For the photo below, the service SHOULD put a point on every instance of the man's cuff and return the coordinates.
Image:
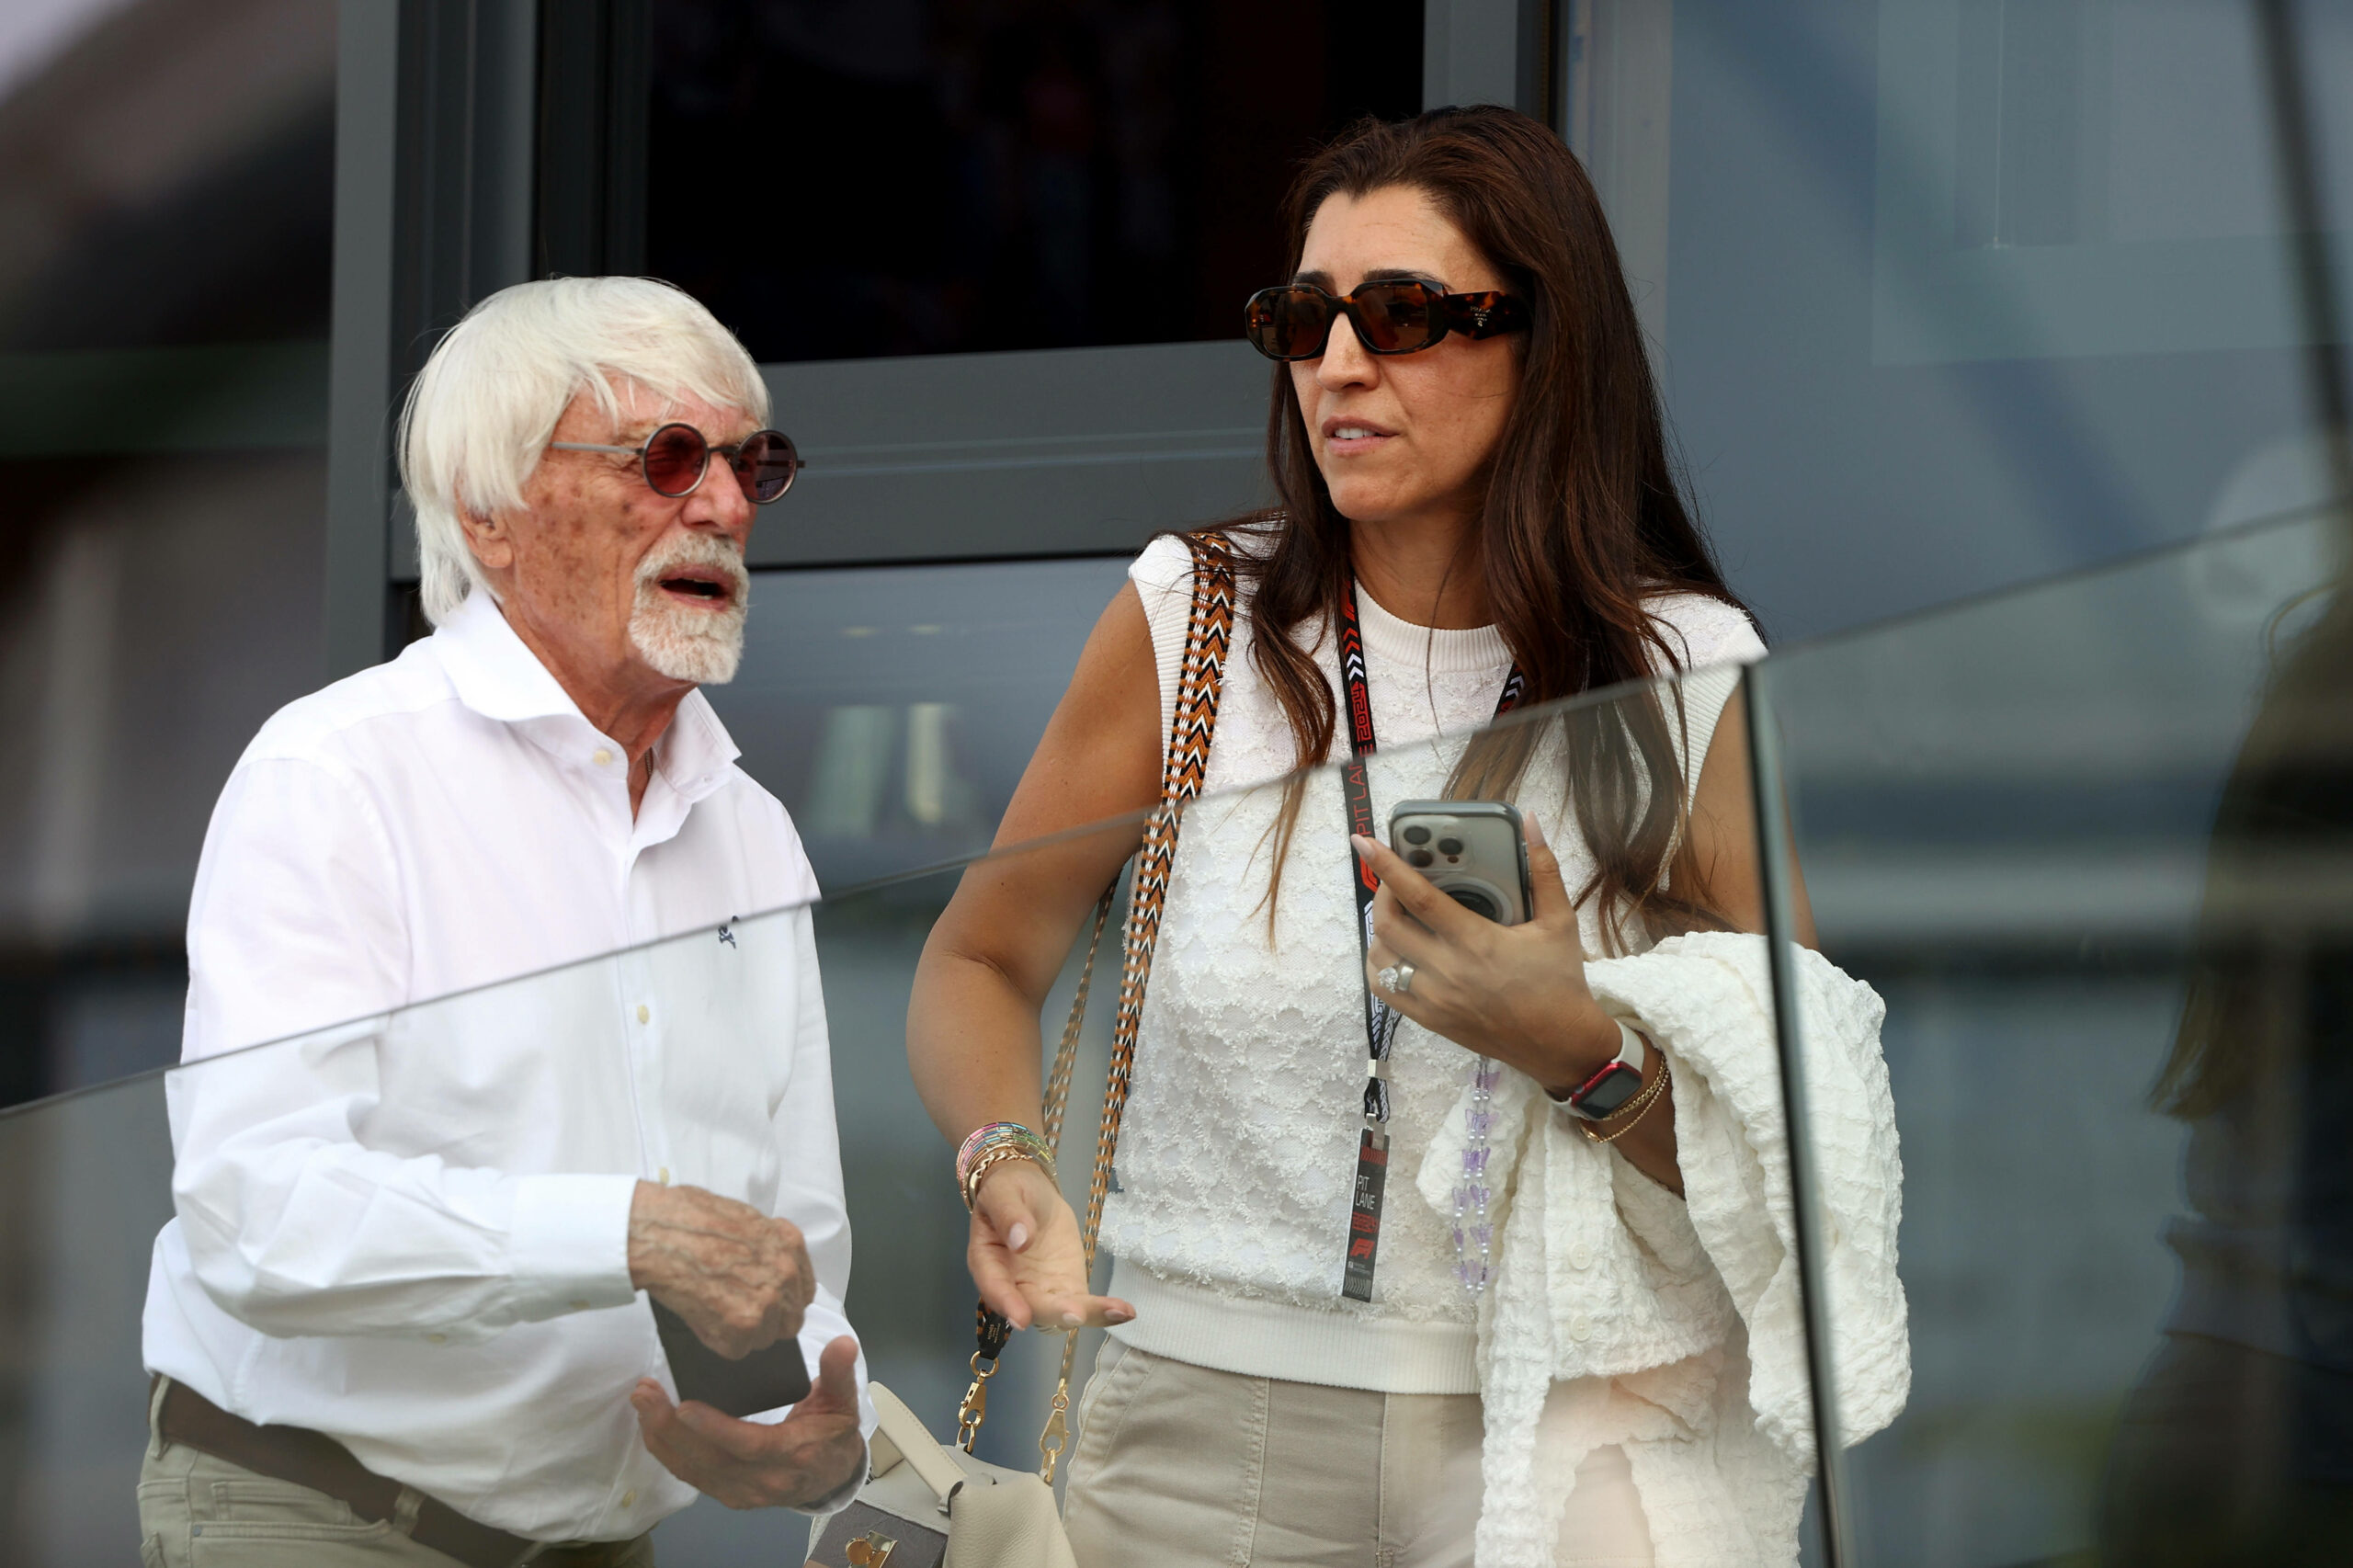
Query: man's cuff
(569, 1244)
(841, 1496)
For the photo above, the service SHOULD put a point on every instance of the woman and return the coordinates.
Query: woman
(1488, 494)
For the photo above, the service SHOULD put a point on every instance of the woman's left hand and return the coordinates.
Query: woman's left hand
(1515, 992)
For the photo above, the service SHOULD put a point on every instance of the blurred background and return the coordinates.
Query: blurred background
(1948, 298)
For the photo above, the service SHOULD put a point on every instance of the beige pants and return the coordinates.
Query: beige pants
(1178, 1466)
(196, 1511)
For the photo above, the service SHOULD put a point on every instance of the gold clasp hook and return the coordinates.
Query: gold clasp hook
(1056, 1437)
(976, 1408)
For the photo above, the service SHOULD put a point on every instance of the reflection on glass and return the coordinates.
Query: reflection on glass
(2237, 1446)
(2081, 839)
(892, 708)
(998, 176)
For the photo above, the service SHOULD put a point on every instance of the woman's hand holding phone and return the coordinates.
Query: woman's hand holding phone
(1026, 1257)
(1515, 992)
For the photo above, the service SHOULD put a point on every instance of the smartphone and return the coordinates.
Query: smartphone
(766, 1380)
(1473, 851)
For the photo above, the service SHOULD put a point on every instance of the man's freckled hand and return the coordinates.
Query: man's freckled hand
(739, 1279)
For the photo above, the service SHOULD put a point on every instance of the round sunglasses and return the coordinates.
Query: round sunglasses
(675, 457)
(1294, 320)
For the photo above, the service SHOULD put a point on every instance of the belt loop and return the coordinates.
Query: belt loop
(157, 1387)
(405, 1508)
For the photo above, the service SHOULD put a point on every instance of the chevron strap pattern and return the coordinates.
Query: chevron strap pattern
(1208, 634)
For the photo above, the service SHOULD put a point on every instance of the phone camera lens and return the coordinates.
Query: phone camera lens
(1450, 846)
(1419, 856)
(1418, 836)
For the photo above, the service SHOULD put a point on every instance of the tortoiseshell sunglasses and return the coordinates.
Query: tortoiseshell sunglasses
(1294, 320)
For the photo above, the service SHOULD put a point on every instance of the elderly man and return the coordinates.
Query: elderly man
(401, 1317)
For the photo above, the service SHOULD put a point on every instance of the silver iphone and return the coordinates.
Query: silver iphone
(1473, 851)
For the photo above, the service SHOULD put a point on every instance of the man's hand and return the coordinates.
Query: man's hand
(803, 1460)
(739, 1279)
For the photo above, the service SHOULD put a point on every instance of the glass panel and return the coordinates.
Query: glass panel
(2014, 293)
(165, 215)
(315, 1250)
(892, 708)
(2088, 843)
(957, 177)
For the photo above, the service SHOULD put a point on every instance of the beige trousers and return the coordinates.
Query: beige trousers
(1178, 1466)
(196, 1511)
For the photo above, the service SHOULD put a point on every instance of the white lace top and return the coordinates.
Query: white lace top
(1238, 1151)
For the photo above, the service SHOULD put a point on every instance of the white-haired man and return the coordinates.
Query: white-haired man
(400, 1316)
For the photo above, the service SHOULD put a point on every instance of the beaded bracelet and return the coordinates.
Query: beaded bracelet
(990, 1146)
(989, 1136)
(1639, 1107)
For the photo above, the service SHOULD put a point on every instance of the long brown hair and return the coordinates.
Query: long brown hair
(1583, 521)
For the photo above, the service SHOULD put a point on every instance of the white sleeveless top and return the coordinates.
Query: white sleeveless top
(1237, 1155)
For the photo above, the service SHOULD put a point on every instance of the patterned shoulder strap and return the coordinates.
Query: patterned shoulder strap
(1207, 636)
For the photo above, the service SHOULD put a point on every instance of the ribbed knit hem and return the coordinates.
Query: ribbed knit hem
(1300, 1345)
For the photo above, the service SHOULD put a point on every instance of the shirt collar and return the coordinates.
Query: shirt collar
(696, 751)
(496, 675)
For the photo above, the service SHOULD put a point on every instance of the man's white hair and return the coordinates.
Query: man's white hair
(487, 403)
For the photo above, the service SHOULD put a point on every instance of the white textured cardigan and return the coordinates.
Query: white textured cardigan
(1679, 1321)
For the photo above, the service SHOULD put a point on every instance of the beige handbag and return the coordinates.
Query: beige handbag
(928, 1505)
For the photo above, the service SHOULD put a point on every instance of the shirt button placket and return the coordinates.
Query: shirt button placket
(639, 1029)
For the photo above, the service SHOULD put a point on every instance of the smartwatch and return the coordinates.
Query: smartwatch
(1620, 1079)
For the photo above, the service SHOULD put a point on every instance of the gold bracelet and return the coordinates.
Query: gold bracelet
(1638, 1106)
(997, 1156)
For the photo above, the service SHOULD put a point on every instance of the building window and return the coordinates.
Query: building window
(854, 178)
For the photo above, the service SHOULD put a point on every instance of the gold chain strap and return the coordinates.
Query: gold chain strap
(1066, 1053)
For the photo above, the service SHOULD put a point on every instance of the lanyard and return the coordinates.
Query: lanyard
(1380, 1019)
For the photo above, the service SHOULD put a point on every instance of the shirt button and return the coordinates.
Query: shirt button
(629, 1499)
(602, 757)
(1580, 1256)
(579, 1306)
(436, 1339)
(645, 1014)
(1580, 1327)
(666, 1175)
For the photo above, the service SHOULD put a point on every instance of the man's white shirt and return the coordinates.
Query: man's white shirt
(409, 1229)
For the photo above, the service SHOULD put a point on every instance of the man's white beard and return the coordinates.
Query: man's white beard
(686, 642)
